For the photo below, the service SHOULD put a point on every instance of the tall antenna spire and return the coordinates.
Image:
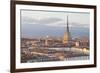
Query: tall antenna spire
(67, 26)
(69, 35)
(66, 34)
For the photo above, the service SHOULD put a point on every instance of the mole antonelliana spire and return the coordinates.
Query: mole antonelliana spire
(66, 34)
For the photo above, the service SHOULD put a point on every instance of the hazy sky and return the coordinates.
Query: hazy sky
(42, 23)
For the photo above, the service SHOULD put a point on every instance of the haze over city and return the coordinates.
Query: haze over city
(42, 23)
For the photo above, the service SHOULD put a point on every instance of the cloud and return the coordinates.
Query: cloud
(72, 25)
(51, 21)
(42, 21)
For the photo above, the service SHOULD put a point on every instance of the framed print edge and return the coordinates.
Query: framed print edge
(13, 35)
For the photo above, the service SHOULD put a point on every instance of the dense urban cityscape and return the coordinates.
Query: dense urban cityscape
(50, 48)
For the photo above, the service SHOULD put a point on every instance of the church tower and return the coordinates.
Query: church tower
(66, 34)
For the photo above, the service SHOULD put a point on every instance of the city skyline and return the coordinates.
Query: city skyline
(49, 25)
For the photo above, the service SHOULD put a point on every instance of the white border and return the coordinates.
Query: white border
(52, 64)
